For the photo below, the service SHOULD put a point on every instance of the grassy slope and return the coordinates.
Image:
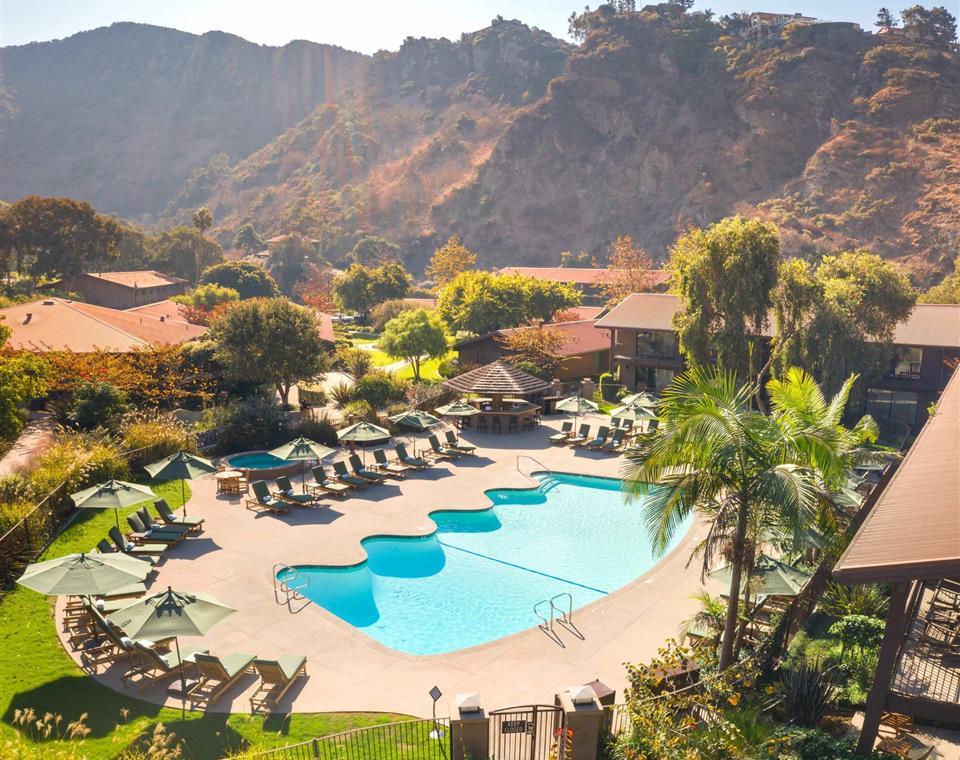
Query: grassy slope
(36, 673)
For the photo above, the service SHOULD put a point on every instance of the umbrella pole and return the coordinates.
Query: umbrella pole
(116, 515)
(183, 495)
(183, 680)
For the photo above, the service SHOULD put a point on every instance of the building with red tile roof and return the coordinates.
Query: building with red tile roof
(124, 290)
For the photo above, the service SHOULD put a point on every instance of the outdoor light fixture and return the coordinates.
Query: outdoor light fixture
(436, 733)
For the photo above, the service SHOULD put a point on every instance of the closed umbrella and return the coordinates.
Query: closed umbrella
(770, 577)
(181, 466)
(114, 494)
(364, 433)
(417, 420)
(172, 613)
(302, 449)
(84, 574)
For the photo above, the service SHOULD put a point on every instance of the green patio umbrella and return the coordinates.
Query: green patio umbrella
(171, 613)
(578, 405)
(181, 466)
(775, 578)
(458, 408)
(635, 412)
(114, 494)
(364, 433)
(644, 398)
(84, 574)
(302, 449)
(416, 420)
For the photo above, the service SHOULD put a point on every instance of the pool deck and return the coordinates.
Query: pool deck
(234, 558)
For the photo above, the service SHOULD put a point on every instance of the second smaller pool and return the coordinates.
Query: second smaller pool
(257, 460)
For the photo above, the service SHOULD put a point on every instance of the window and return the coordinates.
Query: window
(652, 378)
(907, 364)
(656, 344)
(897, 405)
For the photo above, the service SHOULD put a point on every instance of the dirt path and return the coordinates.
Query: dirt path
(32, 440)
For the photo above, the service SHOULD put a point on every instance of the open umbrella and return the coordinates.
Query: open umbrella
(417, 420)
(114, 494)
(643, 398)
(578, 405)
(458, 408)
(634, 412)
(770, 576)
(181, 466)
(302, 449)
(172, 613)
(364, 433)
(84, 574)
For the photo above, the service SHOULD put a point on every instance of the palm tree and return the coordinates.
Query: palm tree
(740, 469)
(709, 617)
(203, 221)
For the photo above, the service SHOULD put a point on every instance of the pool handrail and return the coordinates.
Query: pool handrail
(290, 593)
(535, 461)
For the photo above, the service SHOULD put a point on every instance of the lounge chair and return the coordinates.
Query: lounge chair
(616, 441)
(152, 525)
(454, 443)
(168, 516)
(941, 639)
(441, 452)
(323, 484)
(142, 533)
(286, 493)
(615, 423)
(582, 436)
(340, 470)
(394, 469)
(566, 430)
(276, 678)
(263, 500)
(417, 463)
(362, 472)
(134, 549)
(601, 438)
(107, 644)
(216, 675)
(154, 667)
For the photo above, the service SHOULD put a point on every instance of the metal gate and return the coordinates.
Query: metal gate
(526, 733)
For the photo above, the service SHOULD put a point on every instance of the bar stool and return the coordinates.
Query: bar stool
(496, 426)
(482, 425)
(512, 425)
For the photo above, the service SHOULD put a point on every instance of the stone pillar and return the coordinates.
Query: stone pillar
(587, 388)
(584, 717)
(469, 728)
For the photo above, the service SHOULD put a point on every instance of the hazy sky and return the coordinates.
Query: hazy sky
(366, 26)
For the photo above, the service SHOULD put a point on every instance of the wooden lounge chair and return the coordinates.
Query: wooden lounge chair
(106, 644)
(440, 452)
(941, 639)
(454, 443)
(417, 463)
(616, 441)
(167, 515)
(323, 484)
(286, 493)
(905, 747)
(139, 533)
(154, 667)
(601, 438)
(362, 472)
(340, 470)
(147, 519)
(394, 469)
(276, 678)
(582, 436)
(134, 549)
(263, 500)
(566, 430)
(216, 675)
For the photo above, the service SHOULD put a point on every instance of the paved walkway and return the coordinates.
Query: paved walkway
(31, 441)
(235, 556)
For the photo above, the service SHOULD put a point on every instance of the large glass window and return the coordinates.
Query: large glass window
(897, 405)
(907, 364)
(653, 379)
(657, 344)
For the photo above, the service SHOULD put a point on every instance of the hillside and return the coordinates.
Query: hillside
(528, 146)
(120, 116)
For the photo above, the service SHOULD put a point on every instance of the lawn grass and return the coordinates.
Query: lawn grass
(35, 672)
(429, 370)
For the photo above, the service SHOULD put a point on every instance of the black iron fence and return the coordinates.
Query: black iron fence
(406, 740)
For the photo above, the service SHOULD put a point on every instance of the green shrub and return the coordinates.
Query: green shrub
(809, 691)
(865, 599)
(321, 430)
(356, 361)
(158, 434)
(255, 423)
(94, 405)
(360, 410)
(341, 394)
(383, 313)
(448, 368)
(857, 633)
(378, 389)
(811, 744)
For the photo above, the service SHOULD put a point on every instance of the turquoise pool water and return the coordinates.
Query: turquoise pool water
(478, 577)
(258, 460)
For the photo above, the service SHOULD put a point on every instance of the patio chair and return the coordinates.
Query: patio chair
(276, 678)
(134, 549)
(615, 422)
(362, 472)
(139, 533)
(906, 747)
(147, 519)
(286, 493)
(566, 430)
(616, 441)
(454, 443)
(417, 463)
(340, 471)
(601, 438)
(582, 436)
(154, 667)
(262, 500)
(627, 426)
(107, 644)
(217, 675)
(393, 469)
(440, 452)
(167, 515)
(323, 484)
(940, 638)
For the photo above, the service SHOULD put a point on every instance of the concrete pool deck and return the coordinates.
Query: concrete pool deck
(348, 671)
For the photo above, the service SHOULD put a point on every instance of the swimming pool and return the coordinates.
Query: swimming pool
(478, 577)
(257, 460)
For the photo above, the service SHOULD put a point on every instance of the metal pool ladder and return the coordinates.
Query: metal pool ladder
(557, 614)
(286, 588)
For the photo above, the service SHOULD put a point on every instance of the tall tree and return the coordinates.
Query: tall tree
(715, 456)
(629, 270)
(23, 377)
(371, 250)
(414, 335)
(289, 261)
(316, 289)
(361, 288)
(935, 25)
(947, 290)
(885, 19)
(725, 275)
(203, 221)
(534, 345)
(179, 251)
(248, 279)
(248, 240)
(270, 341)
(449, 260)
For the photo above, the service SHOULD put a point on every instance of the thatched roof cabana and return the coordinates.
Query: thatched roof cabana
(498, 379)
